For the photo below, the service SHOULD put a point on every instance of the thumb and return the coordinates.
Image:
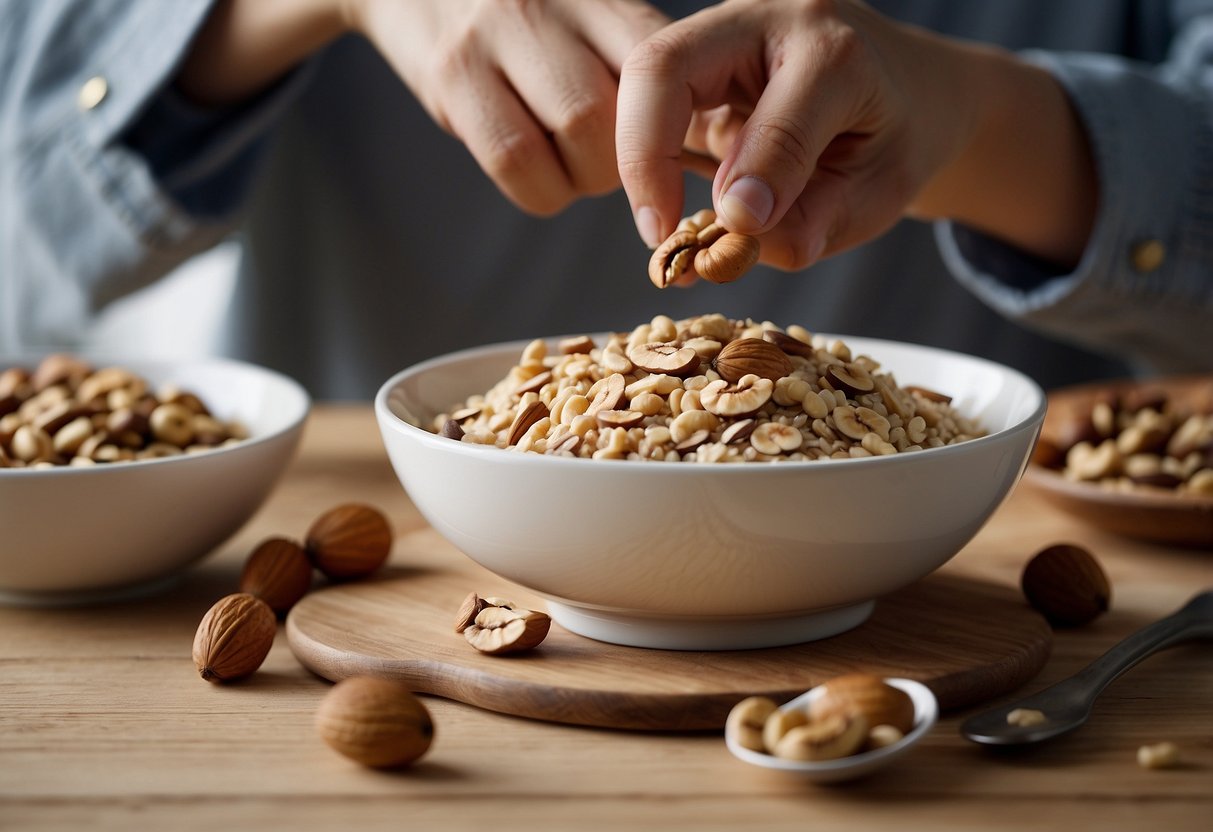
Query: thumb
(775, 152)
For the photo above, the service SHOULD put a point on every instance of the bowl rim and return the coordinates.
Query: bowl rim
(388, 420)
(302, 401)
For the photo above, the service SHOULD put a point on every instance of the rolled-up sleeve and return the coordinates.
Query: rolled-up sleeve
(1143, 289)
(107, 179)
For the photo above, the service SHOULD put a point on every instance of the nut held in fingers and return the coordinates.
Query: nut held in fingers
(673, 258)
(728, 258)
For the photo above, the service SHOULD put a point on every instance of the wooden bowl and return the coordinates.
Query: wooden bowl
(1145, 513)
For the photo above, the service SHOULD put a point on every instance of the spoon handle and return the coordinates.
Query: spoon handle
(1068, 703)
(1193, 620)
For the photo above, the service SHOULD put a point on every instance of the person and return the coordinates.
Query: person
(1048, 207)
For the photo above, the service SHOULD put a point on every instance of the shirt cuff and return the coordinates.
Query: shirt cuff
(204, 158)
(173, 173)
(1141, 289)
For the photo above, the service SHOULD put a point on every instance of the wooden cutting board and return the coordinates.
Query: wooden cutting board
(968, 640)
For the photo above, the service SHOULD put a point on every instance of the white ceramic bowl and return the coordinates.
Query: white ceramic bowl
(711, 556)
(71, 535)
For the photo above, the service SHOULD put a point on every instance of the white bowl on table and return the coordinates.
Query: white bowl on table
(77, 535)
(711, 556)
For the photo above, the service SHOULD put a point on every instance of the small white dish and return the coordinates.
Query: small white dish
(926, 712)
(72, 536)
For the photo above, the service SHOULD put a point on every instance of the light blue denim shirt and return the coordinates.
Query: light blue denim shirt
(371, 239)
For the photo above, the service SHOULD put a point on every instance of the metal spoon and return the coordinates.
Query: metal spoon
(1067, 704)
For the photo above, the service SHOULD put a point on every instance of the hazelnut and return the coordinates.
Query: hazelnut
(278, 572)
(375, 722)
(234, 638)
(451, 430)
(740, 399)
(672, 358)
(1067, 585)
(349, 541)
(673, 258)
(850, 378)
(726, 257)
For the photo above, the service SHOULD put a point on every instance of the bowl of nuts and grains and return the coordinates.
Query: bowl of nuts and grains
(114, 476)
(709, 483)
(1132, 457)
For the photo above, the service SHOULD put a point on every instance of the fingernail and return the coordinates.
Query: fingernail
(649, 226)
(747, 204)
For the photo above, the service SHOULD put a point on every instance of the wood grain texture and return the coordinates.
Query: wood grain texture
(967, 640)
(104, 723)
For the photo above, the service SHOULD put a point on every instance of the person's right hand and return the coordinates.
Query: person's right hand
(831, 122)
(529, 88)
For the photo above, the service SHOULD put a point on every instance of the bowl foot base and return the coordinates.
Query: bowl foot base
(708, 633)
(87, 597)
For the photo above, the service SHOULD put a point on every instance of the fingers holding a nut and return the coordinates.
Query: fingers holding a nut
(702, 248)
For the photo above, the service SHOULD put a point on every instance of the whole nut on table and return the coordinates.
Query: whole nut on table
(278, 572)
(234, 638)
(349, 541)
(1067, 585)
(375, 722)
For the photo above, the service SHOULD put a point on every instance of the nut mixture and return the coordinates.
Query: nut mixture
(704, 389)
(66, 412)
(1142, 439)
(856, 712)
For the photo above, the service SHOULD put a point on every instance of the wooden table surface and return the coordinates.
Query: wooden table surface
(104, 723)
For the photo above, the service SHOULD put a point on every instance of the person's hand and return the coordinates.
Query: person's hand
(832, 122)
(529, 88)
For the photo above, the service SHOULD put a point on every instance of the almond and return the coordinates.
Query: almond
(752, 356)
(349, 541)
(278, 572)
(234, 638)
